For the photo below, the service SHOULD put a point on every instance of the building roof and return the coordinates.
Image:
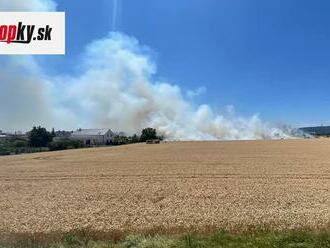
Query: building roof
(90, 132)
(321, 130)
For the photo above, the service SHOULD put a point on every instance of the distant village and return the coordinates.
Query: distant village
(39, 139)
(87, 136)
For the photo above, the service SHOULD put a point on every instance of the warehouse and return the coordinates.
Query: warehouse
(93, 136)
(317, 131)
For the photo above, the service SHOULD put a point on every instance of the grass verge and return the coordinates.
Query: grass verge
(92, 239)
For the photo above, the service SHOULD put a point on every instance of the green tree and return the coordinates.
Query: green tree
(39, 137)
(53, 133)
(135, 139)
(148, 134)
(118, 140)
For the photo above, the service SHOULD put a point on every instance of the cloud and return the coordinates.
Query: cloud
(30, 5)
(24, 94)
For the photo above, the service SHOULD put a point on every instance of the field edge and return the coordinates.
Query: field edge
(209, 237)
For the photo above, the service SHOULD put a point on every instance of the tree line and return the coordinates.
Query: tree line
(40, 139)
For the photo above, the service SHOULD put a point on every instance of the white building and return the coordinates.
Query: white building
(93, 136)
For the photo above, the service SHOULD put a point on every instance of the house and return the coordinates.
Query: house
(3, 137)
(13, 136)
(93, 136)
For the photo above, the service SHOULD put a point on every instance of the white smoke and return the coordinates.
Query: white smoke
(115, 9)
(116, 89)
(25, 93)
(194, 93)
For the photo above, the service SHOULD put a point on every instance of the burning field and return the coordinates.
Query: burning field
(173, 186)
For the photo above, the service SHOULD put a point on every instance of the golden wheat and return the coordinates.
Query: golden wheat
(231, 185)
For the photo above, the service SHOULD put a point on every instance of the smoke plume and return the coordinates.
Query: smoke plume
(115, 88)
(115, 9)
(25, 93)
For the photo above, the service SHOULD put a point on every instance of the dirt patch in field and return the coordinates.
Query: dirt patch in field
(230, 185)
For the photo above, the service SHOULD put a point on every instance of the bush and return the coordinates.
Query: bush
(134, 139)
(119, 140)
(4, 152)
(20, 143)
(65, 144)
(124, 140)
(18, 146)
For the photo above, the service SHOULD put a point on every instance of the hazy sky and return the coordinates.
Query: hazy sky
(267, 57)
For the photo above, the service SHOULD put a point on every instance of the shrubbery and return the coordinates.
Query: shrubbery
(65, 144)
(119, 140)
(18, 146)
(124, 140)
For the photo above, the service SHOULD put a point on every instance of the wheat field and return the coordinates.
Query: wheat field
(191, 185)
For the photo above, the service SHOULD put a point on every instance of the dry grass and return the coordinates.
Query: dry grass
(171, 186)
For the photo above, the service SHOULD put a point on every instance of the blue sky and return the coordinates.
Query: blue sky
(267, 57)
